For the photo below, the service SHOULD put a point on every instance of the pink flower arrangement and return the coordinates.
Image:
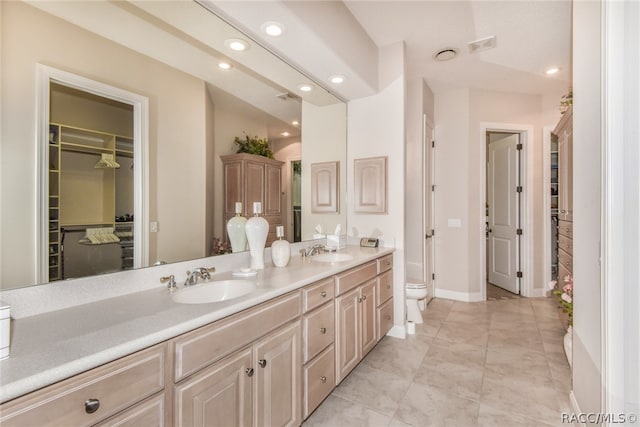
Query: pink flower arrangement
(220, 247)
(564, 295)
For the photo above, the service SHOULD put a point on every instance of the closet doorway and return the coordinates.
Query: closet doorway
(92, 177)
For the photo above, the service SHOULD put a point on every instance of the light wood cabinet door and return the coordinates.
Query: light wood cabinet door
(254, 186)
(273, 190)
(348, 342)
(368, 316)
(278, 382)
(220, 395)
(564, 132)
(233, 187)
(150, 413)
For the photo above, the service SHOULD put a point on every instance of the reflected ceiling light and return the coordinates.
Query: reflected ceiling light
(224, 65)
(337, 79)
(238, 45)
(273, 29)
(285, 134)
(551, 71)
(305, 87)
(295, 123)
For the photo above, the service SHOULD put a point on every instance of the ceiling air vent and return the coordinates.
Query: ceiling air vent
(286, 96)
(482, 44)
(445, 54)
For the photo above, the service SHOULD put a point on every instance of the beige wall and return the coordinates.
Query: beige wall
(322, 143)
(587, 175)
(460, 184)
(176, 151)
(286, 150)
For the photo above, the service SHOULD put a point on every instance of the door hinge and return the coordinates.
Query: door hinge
(433, 143)
(519, 274)
(519, 147)
(519, 231)
(433, 276)
(519, 189)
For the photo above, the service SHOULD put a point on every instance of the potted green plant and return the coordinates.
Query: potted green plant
(255, 145)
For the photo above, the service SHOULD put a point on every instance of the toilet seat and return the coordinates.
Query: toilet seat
(416, 286)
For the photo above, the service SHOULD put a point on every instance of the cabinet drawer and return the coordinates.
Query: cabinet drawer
(566, 244)
(352, 278)
(319, 380)
(385, 318)
(566, 260)
(318, 331)
(115, 386)
(384, 287)
(317, 294)
(195, 350)
(385, 263)
(150, 413)
(565, 228)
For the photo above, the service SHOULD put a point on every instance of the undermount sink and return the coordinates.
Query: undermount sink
(332, 257)
(222, 290)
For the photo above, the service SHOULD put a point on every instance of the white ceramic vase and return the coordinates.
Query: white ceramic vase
(280, 249)
(236, 231)
(568, 345)
(256, 230)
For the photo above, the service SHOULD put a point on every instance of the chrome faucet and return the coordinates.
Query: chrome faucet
(315, 249)
(200, 272)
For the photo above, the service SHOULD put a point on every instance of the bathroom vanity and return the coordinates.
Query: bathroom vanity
(267, 358)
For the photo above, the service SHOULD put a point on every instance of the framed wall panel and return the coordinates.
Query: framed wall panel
(370, 185)
(324, 187)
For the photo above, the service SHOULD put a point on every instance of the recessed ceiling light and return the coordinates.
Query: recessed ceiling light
(285, 134)
(224, 65)
(236, 44)
(446, 54)
(306, 87)
(337, 79)
(295, 123)
(552, 71)
(273, 29)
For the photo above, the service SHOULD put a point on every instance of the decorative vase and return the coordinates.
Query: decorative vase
(280, 249)
(568, 345)
(236, 232)
(256, 229)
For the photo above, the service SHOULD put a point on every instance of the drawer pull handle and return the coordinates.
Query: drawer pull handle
(262, 363)
(323, 294)
(323, 379)
(91, 406)
(323, 330)
(249, 372)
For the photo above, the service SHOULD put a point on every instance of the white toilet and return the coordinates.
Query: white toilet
(415, 291)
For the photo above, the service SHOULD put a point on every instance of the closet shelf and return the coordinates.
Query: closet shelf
(87, 149)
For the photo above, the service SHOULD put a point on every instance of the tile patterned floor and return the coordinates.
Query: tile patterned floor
(494, 363)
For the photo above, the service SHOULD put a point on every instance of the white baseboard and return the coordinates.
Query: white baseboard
(398, 331)
(458, 296)
(537, 293)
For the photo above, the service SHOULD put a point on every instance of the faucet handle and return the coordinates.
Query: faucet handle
(172, 282)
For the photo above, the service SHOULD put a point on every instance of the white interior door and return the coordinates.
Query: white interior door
(428, 167)
(503, 200)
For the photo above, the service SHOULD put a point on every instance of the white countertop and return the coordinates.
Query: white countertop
(50, 347)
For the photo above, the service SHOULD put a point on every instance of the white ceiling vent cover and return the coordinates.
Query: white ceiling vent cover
(482, 44)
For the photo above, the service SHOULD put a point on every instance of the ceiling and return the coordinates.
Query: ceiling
(332, 37)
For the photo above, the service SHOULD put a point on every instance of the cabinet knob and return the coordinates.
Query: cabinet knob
(388, 317)
(323, 330)
(249, 372)
(323, 379)
(359, 299)
(364, 298)
(262, 363)
(323, 294)
(91, 405)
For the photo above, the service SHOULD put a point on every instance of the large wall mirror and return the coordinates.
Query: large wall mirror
(168, 53)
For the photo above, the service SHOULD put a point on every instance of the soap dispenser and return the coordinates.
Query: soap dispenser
(256, 229)
(280, 249)
(236, 232)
